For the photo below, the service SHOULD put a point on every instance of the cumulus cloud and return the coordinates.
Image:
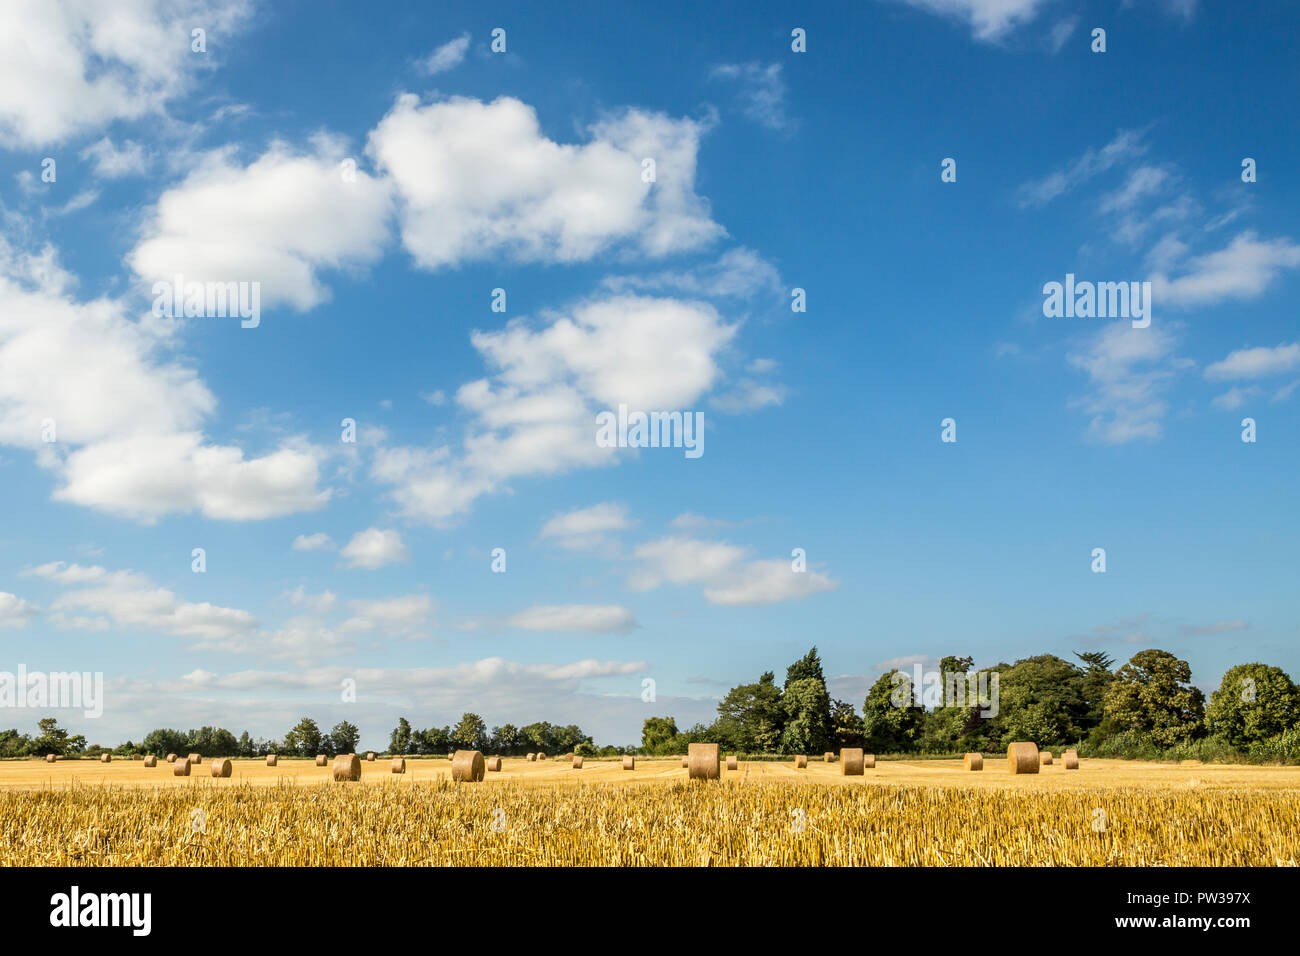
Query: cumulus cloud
(1243, 269)
(446, 57)
(585, 618)
(395, 615)
(729, 577)
(989, 20)
(68, 66)
(127, 415)
(480, 179)
(374, 548)
(586, 529)
(114, 163)
(319, 541)
(1257, 362)
(14, 611)
(1129, 373)
(278, 221)
(768, 582)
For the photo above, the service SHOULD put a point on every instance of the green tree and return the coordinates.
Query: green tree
(14, 744)
(1097, 677)
(891, 720)
(1151, 694)
(162, 742)
(1041, 699)
(471, 733)
(846, 726)
(1253, 703)
(807, 708)
(751, 718)
(808, 666)
(399, 741)
(434, 740)
(657, 733)
(345, 737)
(304, 739)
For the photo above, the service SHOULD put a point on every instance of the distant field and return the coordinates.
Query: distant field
(930, 812)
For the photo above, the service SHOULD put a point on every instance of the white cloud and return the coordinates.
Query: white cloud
(1062, 30)
(1241, 270)
(68, 66)
(396, 615)
(587, 528)
(1283, 393)
(587, 618)
(1143, 182)
(1126, 145)
(682, 560)
(317, 603)
(448, 56)
(762, 91)
(319, 541)
(536, 415)
(278, 222)
(374, 548)
(113, 163)
(1235, 397)
(127, 416)
(748, 395)
(480, 179)
(768, 582)
(738, 273)
(14, 611)
(989, 20)
(1255, 362)
(1130, 371)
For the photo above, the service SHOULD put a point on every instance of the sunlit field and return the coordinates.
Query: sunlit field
(908, 813)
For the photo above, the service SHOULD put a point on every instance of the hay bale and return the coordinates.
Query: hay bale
(347, 768)
(467, 766)
(171, 758)
(221, 767)
(800, 762)
(732, 763)
(828, 757)
(271, 760)
(399, 765)
(973, 761)
(629, 763)
(686, 761)
(181, 768)
(494, 765)
(851, 762)
(196, 759)
(50, 758)
(532, 757)
(370, 756)
(135, 756)
(322, 760)
(1022, 757)
(105, 758)
(703, 762)
(541, 756)
(577, 763)
(1071, 759)
(1045, 758)
(151, 761)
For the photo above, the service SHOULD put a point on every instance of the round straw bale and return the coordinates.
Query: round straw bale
(135, 756)
(221, 767)
(732, 763)
(1071, 759)
(105, 758)
(271, 760)
(1045, 758)
(703, 762)
(869, 761)
(801, 761)
(828, 757)
(1022, 757)
(577, 763)
(541, 756)
(467, 766)
(50, 758)
(974, 761)
(151, 761)
(851, 762)
(686, 761)
(347, 768)
(196, 759)
(171, 758)
(370, 755)
(532, 757)
(399, 765)
(181, 768)
(322, 760)
(629, 762)
(494, 764)
(569, 755)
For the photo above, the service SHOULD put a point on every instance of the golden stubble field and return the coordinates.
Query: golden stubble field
(907, 813)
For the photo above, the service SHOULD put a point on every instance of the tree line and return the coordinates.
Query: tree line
(1145, 708)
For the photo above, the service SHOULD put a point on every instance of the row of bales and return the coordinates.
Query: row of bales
(702, 762)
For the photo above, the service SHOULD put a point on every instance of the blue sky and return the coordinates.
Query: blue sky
(522, 170)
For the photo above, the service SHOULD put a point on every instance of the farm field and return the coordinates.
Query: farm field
(908, 813)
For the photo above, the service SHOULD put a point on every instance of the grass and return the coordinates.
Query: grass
(927, 814)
